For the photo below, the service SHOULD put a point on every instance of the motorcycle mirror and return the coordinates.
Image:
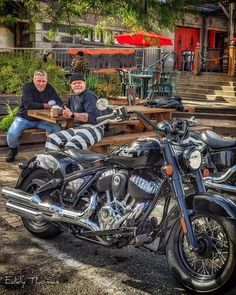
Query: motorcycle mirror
(102, 104)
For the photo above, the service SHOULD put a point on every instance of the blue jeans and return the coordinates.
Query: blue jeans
(20, 124)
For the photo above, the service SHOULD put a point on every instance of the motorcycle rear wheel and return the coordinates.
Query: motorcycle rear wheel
(213, 267)
(44, 229)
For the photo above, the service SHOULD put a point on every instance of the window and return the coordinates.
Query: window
(87, 36)
(65, 39)
(98, 37)
(117, 33)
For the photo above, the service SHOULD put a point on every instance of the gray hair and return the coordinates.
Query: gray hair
(40, 73)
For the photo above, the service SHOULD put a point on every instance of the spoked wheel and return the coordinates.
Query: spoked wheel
(213, 266)
(43, 229)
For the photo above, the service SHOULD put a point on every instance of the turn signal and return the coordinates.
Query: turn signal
(168, 170)
(183, 225)
(205, 173)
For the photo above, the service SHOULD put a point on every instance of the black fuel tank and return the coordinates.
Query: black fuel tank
(145, 151)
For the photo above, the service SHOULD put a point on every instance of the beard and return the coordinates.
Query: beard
(41, 89)
(78, 91)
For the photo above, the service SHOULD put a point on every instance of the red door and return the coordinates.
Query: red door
(185, 40)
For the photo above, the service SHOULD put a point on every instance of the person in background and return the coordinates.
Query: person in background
(80, 63)
(48, 57)
(81, 107)
(35, 95)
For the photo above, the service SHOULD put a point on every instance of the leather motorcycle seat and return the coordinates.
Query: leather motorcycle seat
(84, 156)
(215, 141)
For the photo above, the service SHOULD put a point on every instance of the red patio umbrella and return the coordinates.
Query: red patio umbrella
(144, 39)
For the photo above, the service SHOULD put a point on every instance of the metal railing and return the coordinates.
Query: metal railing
(64, 59)
(60, 55)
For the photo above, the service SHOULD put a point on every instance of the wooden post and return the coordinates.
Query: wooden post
(232, 55)
(197, 60)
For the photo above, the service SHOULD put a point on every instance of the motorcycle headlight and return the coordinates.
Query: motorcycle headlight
(192, 158)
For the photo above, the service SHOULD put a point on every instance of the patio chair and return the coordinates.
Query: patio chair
(124, 81)
(136, 82)
(160, 90)
(171, 78)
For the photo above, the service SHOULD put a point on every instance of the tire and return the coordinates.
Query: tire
(214, 267)
(44, 229)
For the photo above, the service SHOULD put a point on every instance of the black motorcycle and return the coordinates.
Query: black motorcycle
(220, 160)
(113, 200)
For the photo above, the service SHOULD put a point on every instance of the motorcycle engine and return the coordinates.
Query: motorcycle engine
(127, 196)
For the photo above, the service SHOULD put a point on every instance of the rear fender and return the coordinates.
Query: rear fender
(199, 204)
(58, 164)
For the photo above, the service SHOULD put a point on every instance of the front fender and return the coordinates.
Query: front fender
(216, 205)
(59, 164)
(198, 204)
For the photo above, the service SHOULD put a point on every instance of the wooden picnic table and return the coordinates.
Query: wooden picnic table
(158, 114)
(45, 114)
(128, 126)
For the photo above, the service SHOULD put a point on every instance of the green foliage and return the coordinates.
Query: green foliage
(147, 15)
(92, 82)
(106, 86)
(9, 118)
(17, 70)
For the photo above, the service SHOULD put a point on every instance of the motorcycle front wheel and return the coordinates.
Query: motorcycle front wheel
(213, 266)
(43, 229)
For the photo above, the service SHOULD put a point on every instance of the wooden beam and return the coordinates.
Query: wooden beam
(223, 8)
(231, 20)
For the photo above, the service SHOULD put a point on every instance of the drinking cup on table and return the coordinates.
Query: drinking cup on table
(55, 111)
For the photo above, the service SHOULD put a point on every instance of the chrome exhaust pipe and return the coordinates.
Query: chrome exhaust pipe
(40, 216)
(220, 186)
(24, 212)
(34, 202)
(222, 178)
(32, 207)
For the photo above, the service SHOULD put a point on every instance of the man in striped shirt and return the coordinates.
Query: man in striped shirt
(81, 107)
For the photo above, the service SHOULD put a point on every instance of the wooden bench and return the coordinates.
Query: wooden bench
(104, 145)
(32, 135)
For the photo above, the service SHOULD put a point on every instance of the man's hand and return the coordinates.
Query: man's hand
(46, 106)
(67, 113)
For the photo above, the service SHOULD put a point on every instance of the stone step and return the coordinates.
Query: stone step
(210, 97)
(224, 124)
(192, 104)
(208, 85)
(206, 91)
(210, 78)
(231, 110)
(208, 116)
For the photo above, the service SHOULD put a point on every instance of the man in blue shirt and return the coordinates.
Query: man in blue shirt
(81, 107)
(35, 95)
